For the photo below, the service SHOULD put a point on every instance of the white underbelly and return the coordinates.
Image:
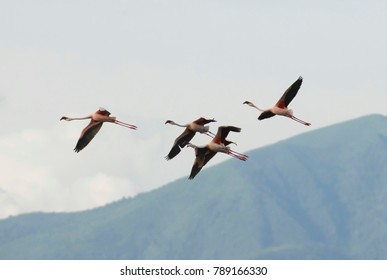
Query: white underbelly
(281, 111)
(219, 148)
(199, 128)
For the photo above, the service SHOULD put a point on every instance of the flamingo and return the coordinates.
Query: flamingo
(218, 144)
(280, 108)
(97, 119)
(187, 135)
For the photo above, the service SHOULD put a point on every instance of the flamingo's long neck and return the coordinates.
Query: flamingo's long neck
(192, 145)
(251, 104)
(259, 109)
(181, 125)
(77, 119)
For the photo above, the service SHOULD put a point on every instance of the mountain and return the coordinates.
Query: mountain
(319, 195)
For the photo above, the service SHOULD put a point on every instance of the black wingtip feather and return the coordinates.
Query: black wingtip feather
(266, 115)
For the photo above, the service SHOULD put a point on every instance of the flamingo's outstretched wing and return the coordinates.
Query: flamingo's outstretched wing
(203, 155)
(180, 142)
(87, 135)
(203, 121)
(223, 131)
(265, 115)
(289, 94)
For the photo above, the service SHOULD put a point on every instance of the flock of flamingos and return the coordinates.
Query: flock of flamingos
(219, 143)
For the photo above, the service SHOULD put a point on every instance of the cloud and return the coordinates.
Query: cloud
(98, 190)
(23, 186)
(39, 175)
(37, 190)
(27, 188)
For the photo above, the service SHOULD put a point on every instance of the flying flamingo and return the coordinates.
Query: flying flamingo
(218, 144)
(189, 132)
(97, 119)
(280, 107)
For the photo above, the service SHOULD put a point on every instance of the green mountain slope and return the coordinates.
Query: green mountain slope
(320, 195)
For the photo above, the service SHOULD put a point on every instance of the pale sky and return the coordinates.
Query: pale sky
(149, 61)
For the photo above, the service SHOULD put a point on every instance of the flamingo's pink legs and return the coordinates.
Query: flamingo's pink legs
(300, 121)
(125, 124)
(237, 155)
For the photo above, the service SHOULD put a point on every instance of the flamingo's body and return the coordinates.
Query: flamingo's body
(97, 119)
(183, 139)
(217, 145)
(281, 107)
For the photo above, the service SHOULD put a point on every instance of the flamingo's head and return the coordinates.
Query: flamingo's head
(64, 118)
(170, 122)
(249, 103)
(191, 145)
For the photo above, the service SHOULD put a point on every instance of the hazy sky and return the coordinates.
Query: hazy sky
(149, 61)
